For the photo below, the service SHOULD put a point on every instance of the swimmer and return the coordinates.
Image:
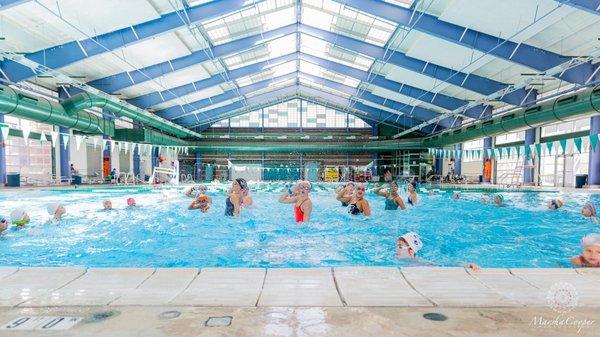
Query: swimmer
(193, 191)
(392, 198)
(499, 200)
(3, 224)
(233, 203)
(131, 202)
(344, 193)
(107, 204)
(246, 198)
(555, 203)
(202, 203)
(56, 211)
(358, 204)
(589, 211)
(456, 196)
(408, 245)
(591, 252)
(299, 197)
(413, 198)
(19, 217)
(485, 199)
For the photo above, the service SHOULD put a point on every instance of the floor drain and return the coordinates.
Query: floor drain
(169, 314)
(101, 316)
(218, 321)
(433, 316)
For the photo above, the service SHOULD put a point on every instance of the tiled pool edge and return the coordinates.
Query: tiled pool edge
(319, 287)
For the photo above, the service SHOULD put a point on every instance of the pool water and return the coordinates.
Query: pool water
(162, 232)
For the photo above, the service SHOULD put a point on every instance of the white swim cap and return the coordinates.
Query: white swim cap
(17, 215)
(590, 240)
(413, 240)
(52, 208)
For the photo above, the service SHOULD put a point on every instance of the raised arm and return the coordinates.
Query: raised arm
(366, 208)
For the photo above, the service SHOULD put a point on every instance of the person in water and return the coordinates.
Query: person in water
(555, 204)
(410, 243)
(499, 200)
(299, 197)
(194, 191)
(589, 211)
(456, 196)
(358, 204)
(413, 198)
(107, 204)
(19, 217)
(392, 198)
(131, 202)
(345, 193)
(56, 211)
(590, 257)
(233, 203)
(3, 224)
(202, 202)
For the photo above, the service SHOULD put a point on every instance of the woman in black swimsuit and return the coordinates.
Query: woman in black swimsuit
(359, 204)
(344, 194)
(233, 202)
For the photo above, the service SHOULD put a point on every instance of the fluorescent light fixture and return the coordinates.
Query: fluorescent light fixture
(259, 137)
(374, 137)
(351, 137)
(224, 136)
(305, 137)
(328, 137)
(282, 137)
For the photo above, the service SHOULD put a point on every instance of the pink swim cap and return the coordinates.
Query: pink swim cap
(130, 201)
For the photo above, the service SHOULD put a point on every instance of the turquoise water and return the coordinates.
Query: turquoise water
(162, 232)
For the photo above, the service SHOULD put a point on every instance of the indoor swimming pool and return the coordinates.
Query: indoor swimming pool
(162, 232)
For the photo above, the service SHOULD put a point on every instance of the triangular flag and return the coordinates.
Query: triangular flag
(126, 146)
(54, 136)
(78, 140)
(42, 136)
(95, 142)
(577, 142)
(532, 149)
(4, 130)
(549, 147)
(563, 145)
(112, 145)
(594, 141)
(508, 151)
(538, 149)
(496, 153)
(65, 139)
(489, 153)
(518, 150)
(26, 129)
(103, 145)
(120, 145)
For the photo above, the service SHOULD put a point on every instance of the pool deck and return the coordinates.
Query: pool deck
(336, 302)
(320, 287)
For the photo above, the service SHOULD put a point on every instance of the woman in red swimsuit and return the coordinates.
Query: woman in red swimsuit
(299, 197)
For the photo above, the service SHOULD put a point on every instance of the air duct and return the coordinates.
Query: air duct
(580, 104)
(85, 100)
(40, 109)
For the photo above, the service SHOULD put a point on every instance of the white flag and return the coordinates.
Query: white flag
(54, 136)
(42, 136)
(78, 140)
(4, 129)
(112, 145)
(126, 146)
(65, 139)
(26, 129)
(95, 142)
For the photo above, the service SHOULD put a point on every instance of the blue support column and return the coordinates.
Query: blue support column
(375, 156)
(198, 165)
(65, 154)
(154, 157)
(2, 156)
(457, 160)
(439, 165)
(594, 165)
(528, 164)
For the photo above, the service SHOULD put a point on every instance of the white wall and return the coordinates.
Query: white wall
(79, 157)
(472, 169)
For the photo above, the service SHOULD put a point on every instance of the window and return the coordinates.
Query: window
(566, 127)
(510, 138)
(287, 115)
(31, 158)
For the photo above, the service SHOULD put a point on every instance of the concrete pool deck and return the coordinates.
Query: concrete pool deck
(339, 301)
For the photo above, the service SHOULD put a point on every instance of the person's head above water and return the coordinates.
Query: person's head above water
(3, 224)
(360, 190)
(107, 204)
(19, 217)
(591, 248)
(203, 203)
(56, 210)
(499, 199)
(394, 187)
(303, 187)
(239, 185)
(555, 203)
(589, 210)
(131, 202)
(408, 245)
(411, 186)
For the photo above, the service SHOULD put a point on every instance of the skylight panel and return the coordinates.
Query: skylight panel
(401, 3)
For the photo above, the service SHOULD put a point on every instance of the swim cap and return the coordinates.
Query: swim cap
(202, 198)
(413, 240)
(17, 215)
(499, 197)
(52, 208)
(130, 201)
(242, 183)
(590, 240)
(591, 208)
